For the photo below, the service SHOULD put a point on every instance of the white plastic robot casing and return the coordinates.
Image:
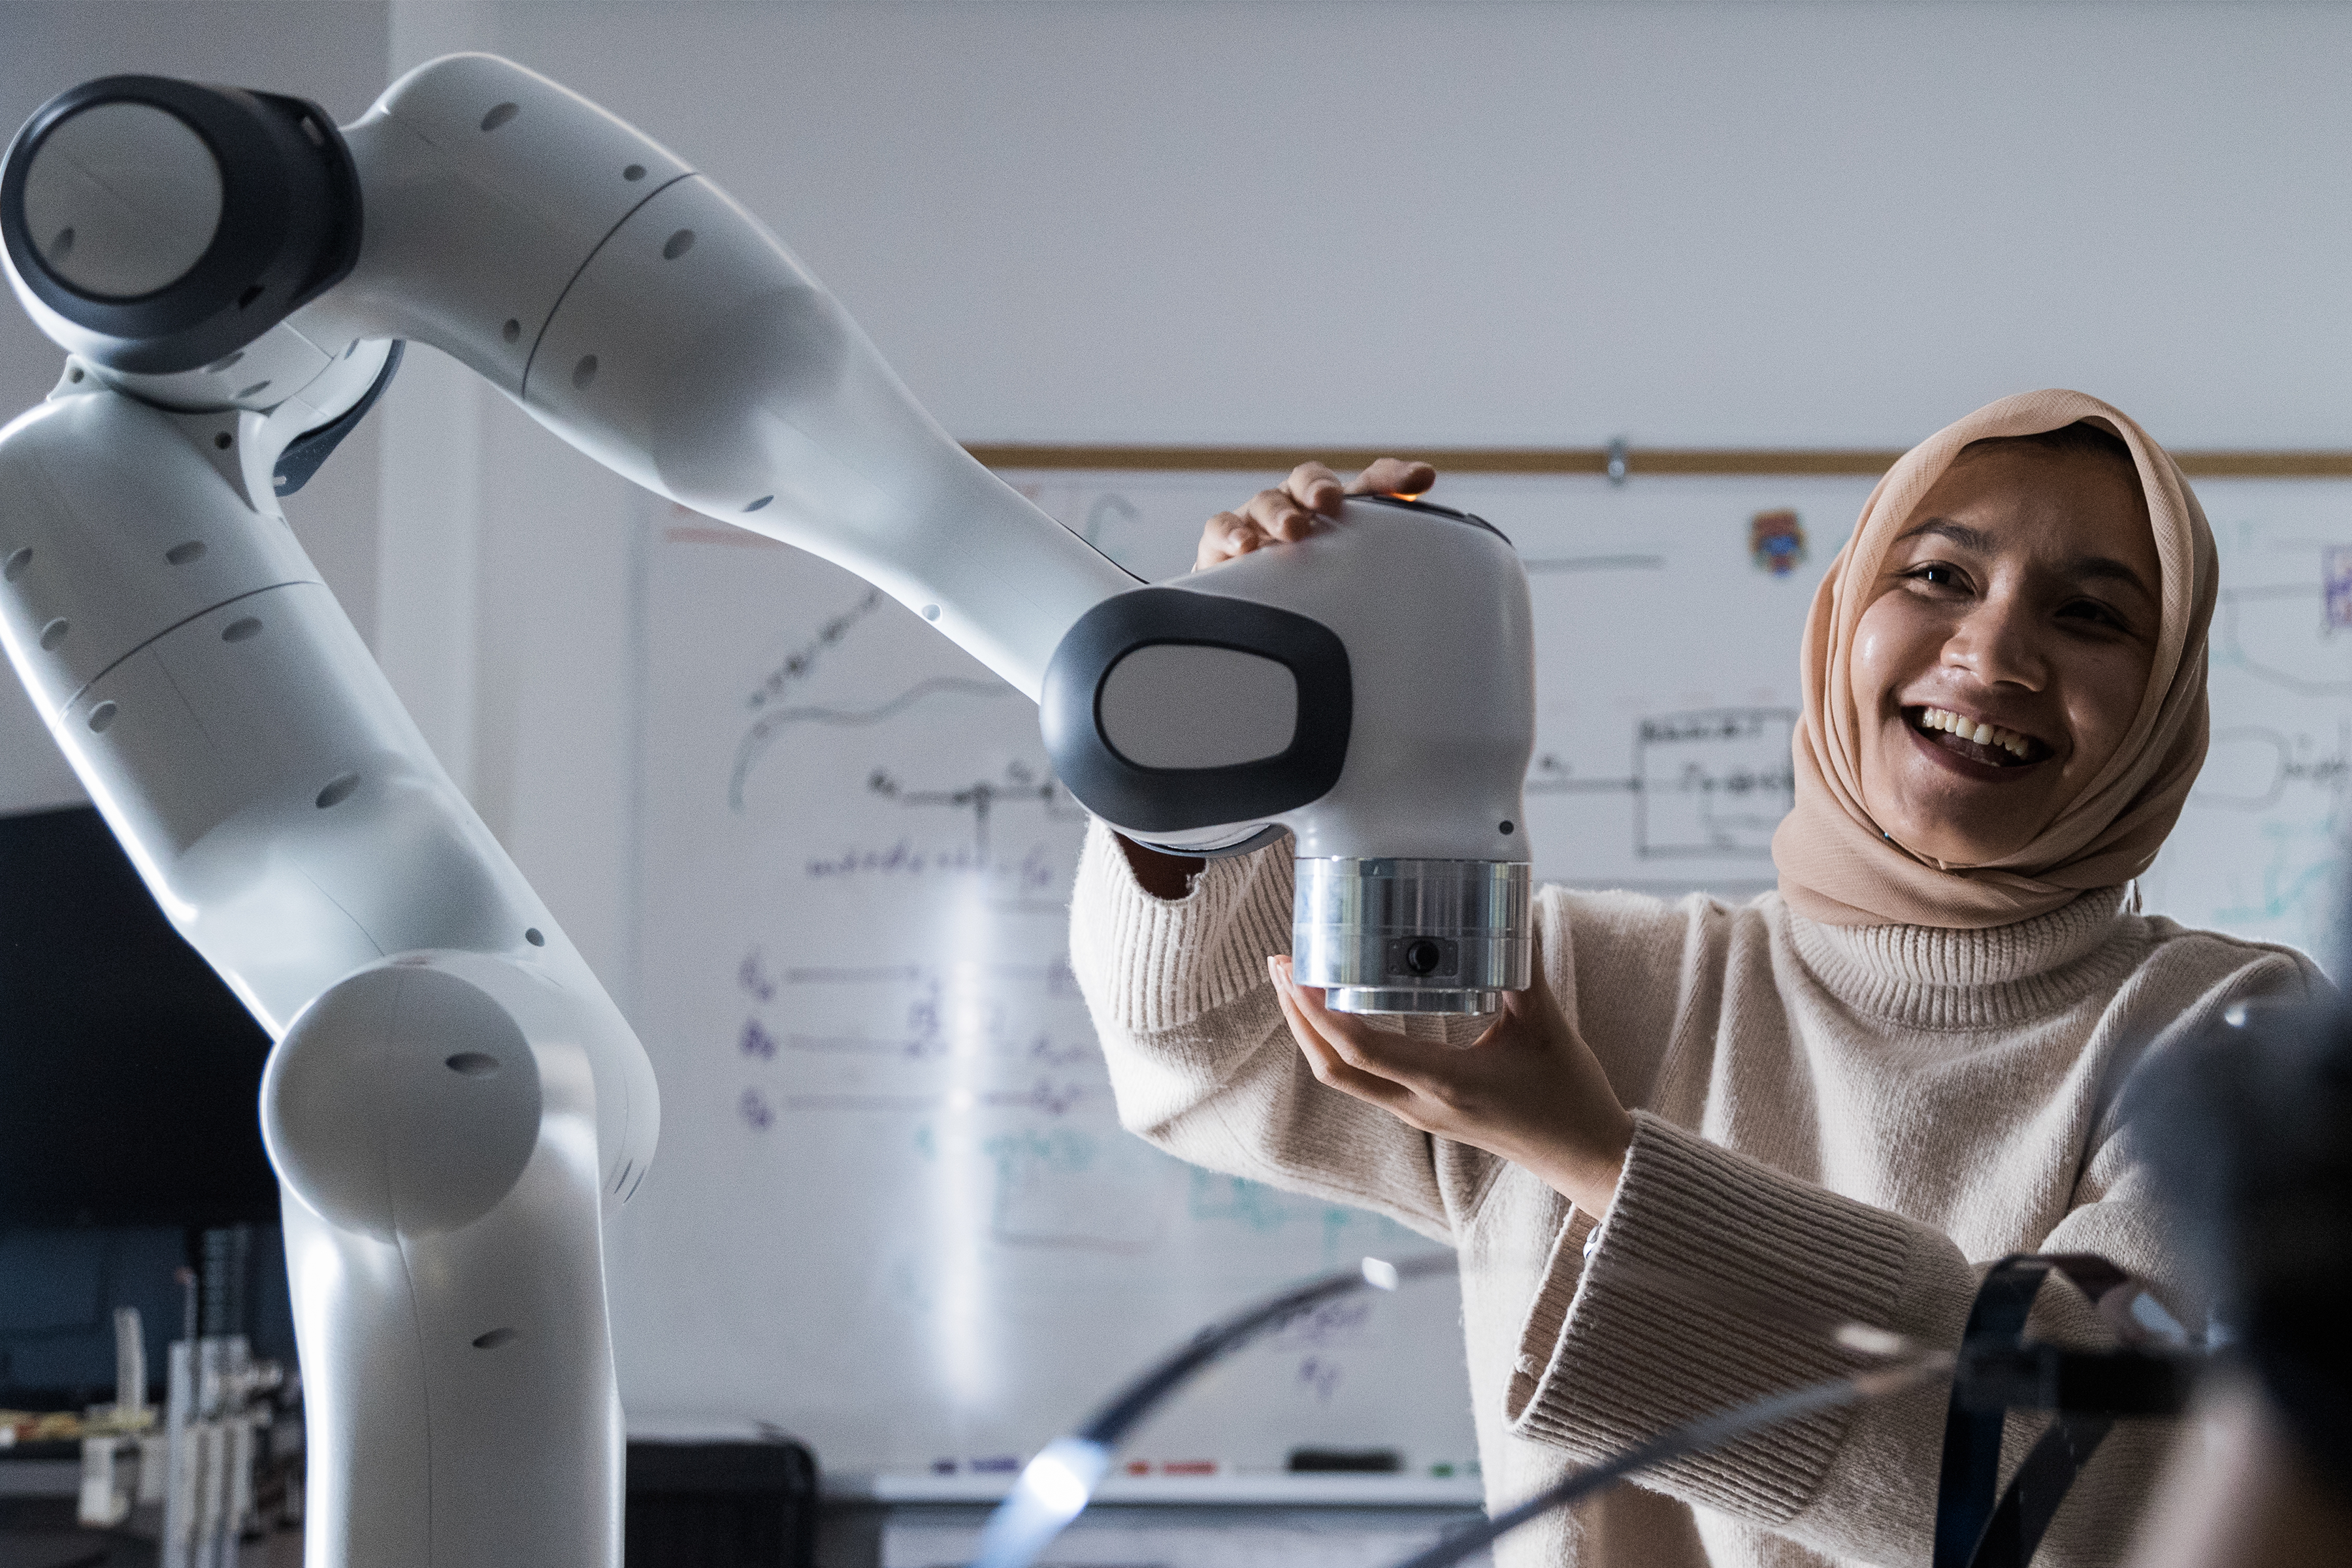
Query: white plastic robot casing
(455, 1102)
(276, 799)
(683, 345)
(638, 312)
(1444, 717)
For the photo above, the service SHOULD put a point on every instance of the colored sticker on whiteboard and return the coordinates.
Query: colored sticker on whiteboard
(1776, 542)
(2336, 573)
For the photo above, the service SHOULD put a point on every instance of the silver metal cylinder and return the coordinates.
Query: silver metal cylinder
(1414, 936)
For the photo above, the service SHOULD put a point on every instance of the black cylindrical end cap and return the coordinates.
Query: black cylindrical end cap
(289, 225)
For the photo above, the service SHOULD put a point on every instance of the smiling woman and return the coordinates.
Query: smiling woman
(2004, 674)
(1709, 1126)
(2009, 645)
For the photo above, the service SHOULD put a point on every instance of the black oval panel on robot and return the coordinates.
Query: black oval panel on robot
(1142, 735)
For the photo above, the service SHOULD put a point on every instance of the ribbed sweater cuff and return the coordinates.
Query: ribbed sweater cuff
(1151, 963)
(1713, 1283)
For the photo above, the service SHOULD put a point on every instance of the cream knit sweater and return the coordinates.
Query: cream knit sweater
(1834, 1123)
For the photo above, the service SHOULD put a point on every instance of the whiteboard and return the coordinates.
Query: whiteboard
(893, 1211)
(2259, 851)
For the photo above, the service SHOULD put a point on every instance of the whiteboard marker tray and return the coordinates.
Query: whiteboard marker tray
(1278, 1488)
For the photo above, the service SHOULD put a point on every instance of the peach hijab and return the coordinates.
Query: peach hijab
(1837, 865)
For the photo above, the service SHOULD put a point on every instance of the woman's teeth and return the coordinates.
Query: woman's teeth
(2008, 740)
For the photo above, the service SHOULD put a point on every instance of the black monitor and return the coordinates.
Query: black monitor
(130, 1075)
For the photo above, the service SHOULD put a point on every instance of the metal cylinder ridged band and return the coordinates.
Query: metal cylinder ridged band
(1414, 936)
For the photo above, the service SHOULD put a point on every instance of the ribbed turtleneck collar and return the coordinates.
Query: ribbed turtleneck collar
(1933, 977)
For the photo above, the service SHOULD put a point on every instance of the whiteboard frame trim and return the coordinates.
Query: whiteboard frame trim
(1640, 461)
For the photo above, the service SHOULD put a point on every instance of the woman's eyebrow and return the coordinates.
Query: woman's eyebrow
(2106, 568)
(1959, 533)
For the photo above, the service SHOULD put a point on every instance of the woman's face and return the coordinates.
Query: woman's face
(2005, 649)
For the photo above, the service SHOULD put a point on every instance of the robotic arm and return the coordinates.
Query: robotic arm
(453, 1102)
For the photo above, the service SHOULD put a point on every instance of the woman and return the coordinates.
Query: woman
(1709, 1128)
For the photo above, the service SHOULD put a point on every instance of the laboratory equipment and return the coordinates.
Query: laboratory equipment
(453, 1104)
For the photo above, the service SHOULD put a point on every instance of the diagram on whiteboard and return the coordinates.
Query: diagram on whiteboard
(875, 1059)
(2260, 848)
(876, 1063)
(1711, 783)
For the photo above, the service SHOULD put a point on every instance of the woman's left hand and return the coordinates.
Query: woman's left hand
(1528, 1090)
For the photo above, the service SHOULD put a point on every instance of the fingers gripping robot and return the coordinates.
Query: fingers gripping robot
(453, 1104)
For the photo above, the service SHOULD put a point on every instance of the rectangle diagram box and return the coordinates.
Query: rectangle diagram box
(1712, 782)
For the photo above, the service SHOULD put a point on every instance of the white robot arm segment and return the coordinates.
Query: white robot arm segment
(454, 1101)
(691, 352)
(454, 1104)
(638, 312)
(244, 747)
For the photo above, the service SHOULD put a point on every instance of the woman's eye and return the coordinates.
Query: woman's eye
(1937, 574)
(2093, 611)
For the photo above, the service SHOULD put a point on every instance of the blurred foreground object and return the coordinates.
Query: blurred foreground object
(2251, 1134)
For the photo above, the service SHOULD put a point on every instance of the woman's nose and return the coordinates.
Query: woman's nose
(1997, 642)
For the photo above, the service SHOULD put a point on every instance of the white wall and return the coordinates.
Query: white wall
(1413, 224)
(1734, 225)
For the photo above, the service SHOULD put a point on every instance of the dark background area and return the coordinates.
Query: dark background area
(59, 1290)
(129, 1122)
(132, 1073)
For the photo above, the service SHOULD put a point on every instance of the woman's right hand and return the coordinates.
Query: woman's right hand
(1288, 512)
